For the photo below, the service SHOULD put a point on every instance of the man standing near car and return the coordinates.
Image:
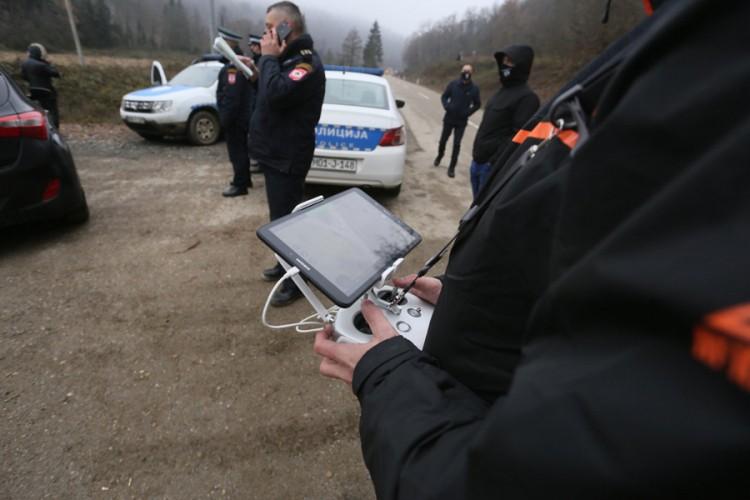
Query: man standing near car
(460, 101)
(39, 73)
(506, 111)
(282, 129)
(234, 95)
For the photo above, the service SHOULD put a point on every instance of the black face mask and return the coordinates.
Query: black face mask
(465, 76)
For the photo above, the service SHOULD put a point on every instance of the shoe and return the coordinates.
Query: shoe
(286, 295)
(451, 172)
(273, 273)
(233, 191)
(436, 163)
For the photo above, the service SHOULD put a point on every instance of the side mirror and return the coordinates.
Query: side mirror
(400, 103)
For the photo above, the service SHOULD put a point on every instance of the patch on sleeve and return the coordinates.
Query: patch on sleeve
(300, 71)
(722, 342)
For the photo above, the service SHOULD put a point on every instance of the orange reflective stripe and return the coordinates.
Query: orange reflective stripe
(543, 130)
(569, 138)
(521, 136)
(722, 342)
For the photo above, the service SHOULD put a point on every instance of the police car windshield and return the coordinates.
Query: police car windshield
(196, 76)
(356, 93)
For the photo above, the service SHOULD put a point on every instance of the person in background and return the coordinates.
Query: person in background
(460, 101)
(234, 96)
(39, 73)
(506, 111)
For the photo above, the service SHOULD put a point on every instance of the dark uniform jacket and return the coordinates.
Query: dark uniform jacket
(234, 97)
(460, 101)
(290, 99)
(506, 111)
(635, 377)
(39, 73)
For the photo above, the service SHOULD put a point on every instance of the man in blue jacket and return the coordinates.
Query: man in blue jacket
(460, 101)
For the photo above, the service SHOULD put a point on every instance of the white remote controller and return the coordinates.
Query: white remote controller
(410, 318)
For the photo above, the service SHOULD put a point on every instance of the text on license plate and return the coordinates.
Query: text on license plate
(334, 164)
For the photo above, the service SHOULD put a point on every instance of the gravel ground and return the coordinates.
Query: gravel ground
(133, 363)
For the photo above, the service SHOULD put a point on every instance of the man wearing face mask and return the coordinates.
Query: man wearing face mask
(460, 101)
(291, 88)
(506, 111)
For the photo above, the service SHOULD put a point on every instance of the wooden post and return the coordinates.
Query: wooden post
(75, 32)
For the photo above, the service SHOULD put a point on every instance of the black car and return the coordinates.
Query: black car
(38, 178)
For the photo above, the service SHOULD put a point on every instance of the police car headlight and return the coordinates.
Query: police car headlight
(161, 106)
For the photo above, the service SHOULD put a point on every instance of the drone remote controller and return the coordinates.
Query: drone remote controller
(410, 318)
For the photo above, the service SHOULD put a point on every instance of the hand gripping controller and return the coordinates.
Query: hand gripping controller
(410, 318)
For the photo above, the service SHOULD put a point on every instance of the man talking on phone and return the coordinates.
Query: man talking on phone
(291, 88)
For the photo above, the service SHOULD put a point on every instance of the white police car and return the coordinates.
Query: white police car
(185, 106)
(361, 140)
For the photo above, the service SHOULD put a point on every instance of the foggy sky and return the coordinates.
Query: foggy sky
(400, 16)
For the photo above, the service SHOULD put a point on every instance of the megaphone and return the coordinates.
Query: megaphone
(223, 48)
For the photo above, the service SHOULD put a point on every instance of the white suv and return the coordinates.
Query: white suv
(185, 106)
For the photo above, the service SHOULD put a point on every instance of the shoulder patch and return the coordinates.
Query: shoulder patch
(722, 342)
(299, 72)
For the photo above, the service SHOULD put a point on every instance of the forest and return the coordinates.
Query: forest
(181, 26)
(564, 29)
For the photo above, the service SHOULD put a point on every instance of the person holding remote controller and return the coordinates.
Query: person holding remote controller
(291, 88)
(635, 377)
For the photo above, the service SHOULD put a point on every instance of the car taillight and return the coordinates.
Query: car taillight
(393, 137)
(51, 190)
(31, 124)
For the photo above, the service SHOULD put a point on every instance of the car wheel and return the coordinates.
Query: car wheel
(204, 128)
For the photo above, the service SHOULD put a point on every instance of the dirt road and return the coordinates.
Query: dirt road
(133, 363)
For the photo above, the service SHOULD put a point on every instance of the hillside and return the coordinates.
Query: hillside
(92, 94)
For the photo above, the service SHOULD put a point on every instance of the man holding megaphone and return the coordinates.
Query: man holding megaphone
(234, 95)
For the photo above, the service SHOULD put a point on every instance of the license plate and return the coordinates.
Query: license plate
(135, 119)
(338, 164)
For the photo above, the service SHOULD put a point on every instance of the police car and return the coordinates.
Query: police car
(361, 140)
(184, 106)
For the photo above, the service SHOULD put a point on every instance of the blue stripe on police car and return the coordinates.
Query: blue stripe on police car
(346, 138)
(159, 91)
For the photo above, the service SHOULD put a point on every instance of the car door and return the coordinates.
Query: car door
(158, 76)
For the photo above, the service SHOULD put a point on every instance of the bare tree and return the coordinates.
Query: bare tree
(351, 49)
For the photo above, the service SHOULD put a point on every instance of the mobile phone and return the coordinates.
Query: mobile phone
(283, 30)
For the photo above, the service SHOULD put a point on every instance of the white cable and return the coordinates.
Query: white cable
(299, 326)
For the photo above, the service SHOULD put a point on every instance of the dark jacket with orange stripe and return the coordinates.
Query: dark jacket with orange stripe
(509, 109)
(635, 377)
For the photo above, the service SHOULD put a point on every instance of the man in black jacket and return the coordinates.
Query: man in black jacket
(282, 129)
(234, 97)
(460, 101)
(39, 73)
(506, 111)
(635, 380)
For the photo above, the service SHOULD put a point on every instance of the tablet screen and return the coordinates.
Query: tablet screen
(342, 244)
